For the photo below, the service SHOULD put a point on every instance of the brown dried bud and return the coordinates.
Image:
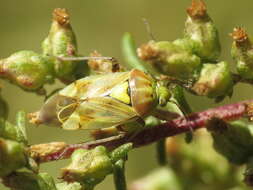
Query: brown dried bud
(197, 10)
(148, 51)
(240, 37)
(40, 151)
(34, 118)
(61, 15)
(100, 66)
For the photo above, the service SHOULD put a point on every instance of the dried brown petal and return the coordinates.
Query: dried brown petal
(39, 151)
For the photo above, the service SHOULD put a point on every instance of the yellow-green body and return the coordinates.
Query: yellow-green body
(102, 101)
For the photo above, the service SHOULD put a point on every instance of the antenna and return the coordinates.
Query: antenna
(148, 28)
(84, 58)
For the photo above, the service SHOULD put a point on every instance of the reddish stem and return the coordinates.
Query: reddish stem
(174, 127)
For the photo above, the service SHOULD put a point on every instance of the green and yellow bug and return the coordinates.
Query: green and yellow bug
(118, 101)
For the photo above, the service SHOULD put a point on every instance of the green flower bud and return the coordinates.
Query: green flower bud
(186, 44)
(14, 132)
(242, 53)
(69, 186)
(26, 180)
(8, 130)
(61, 41)
(88, 167)
(169, 59)
(163, 178)
(215, 80)
(201, 35)
(27, 69)
(121, 152)
(12, 156)
(49, 181)
(199, 162)
(234, 140)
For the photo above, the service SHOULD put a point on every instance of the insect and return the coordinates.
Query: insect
(112, 103)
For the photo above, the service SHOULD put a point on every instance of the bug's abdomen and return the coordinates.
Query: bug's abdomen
(142, 92)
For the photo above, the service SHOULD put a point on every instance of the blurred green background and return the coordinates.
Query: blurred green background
(99, 25)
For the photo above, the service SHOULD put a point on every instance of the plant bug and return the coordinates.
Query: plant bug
(107, 104)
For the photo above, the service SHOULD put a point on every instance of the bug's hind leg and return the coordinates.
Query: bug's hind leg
(132, 128)
(163, 114)
(105, 133)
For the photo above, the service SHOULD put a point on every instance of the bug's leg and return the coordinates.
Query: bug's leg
(132, 127)
(188, 135)
(85, 58)
(104, 133)
(164, 114)
(97, 63)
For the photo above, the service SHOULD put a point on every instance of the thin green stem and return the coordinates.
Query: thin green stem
(161, 152)
(119, 175)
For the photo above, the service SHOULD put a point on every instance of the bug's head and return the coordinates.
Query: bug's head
(163, 94)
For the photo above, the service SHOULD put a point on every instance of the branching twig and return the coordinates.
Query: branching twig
(174, 127)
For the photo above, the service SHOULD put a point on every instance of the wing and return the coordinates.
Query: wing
(94, 86)
(98, 113)
(59, 107)
(56, 107)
